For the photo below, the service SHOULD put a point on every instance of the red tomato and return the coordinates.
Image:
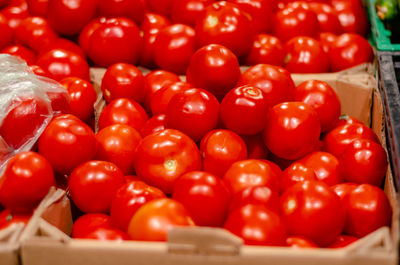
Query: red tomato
(69, 17)
(25, 182)
(219, 149)
(244, 109)
(161, 98)
(4, 3)
(225, 24)
(349, 50)
(38, 7)
(343, 189)
(67, 142)
(352, 17)
(37, 70)
(123, 80)
(188, 11)
(274, 81)
(15, 14)
(154, 124)
(256, 148)
(295, 173)
(82, 97)
(87, 32)
(88, 223)
(7, 33)
(24, 116)
(128, 199)
(299, 242)
(310, 209)
(161, 7)
(257, 195)
(257, 226)
(117, 40)
(93, 185)
(292, 130)
(63, 63)
(249, 173)
(364, 161)
(345, 120)
(153, 221)
(123, 111)
(214, 68)
(64, 44)
(107, 233)
(367, 209)
(164, 156)
(326, 39)
(7, 218)
(194, 112)
(266, 49)
(132, 9)
(21, 52)
(173, 48)
(204, 196)
(117, 144)
(327, 18)
(343, 241)
(60, 101)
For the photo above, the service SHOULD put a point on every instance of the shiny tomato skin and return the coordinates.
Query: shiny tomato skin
(7, 218)
(257, 225)
(82, 97)
(88, 223)
(87, 31)
(161, 98)
(219, 149)
(346, 119)
(128, 199)
(299, 242)
(153, 221)
(164, 156)
(37, 7)
(225, 24)
(15, 14)
(256, 195)
(343, 241)
(154, 124)
(194, 112)
(310, 209)
(266, 49)
(93, 185)
(132, 9)
(25, 182)
(107, 234)
(296, 172)
(123, 111)
(62, 43)
(244, 110)
(117, 144)
(205, 197)
(187, 11)
(67, 142)
(353, 18)
(328, 20)
(291, 140)
(344, 189)
(326, 40)
(21, 52)
(6, 31)
(256, 148)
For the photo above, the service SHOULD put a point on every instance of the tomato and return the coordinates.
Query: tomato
(67, 142)
(343, 189)
(107, 233)
(154, 124)
(343, 241)
(132, 9)
(123, 111)
(88, 223)
(257, 225)
(225, 24)
(161, 98)
(69, 17)
(60, 100)
(82, 97)
(117, 144)
(296, 172)
(328, 20)
(326, 39)
(153, 221)
(299, 242)
(194, 112)
(87, 31)
(352, 16)
(256, 195)
(367, 209)
(274, 81)
(37, 7)
(7, 33)
(62, 43)
(294, 20)
(63, 63)
(349, 50)
(21, 52)
(249, 173)
(310, 209)
(164, 156)
(7, 218)
(266, 49)
(173, 47)
(4, 3)
(117, 40)
(15, 14)
(256, 148)
(161, 7)
(243, 110)
(292, 130)
(93, 185)
(24, 117)
(128, 199)
(188, 11)
(345, 120)
(25, 182)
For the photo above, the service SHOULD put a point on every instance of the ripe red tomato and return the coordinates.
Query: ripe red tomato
(326, 39)
(256, 195)
(24, 116)
(117, 40)
(164, 156)
(60, 100)
(343, 241)
(69, 17)
(266, 49)
(132, 9)
(295, 173)
(25, 182)
(346, 119)
(173, 48)
(15, 14)
(107, 233)
(38, 7)
(257, 226)
(88, 223)
(249, 173)
(123, 111)
(188, 11)
(274, 81)
(364, 161)
(244, 109)
(87, 32)
(299, 242)
(62, 43)
(367, 209)
(117, 144)
(160, 7)
(93, 185)
(225, 24)
(310, 209)
(21, 52)
(343, 189)
(7, 33)
(292, 130)
(82, 97)
(352, 16)
(128, 199)
(67, 142)
(349, 50)
(7, 218)
(328, 20)
(194, 112)
(153, 221)
(63, 63)
(161, 98)
(256, 148)
(154, 124)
